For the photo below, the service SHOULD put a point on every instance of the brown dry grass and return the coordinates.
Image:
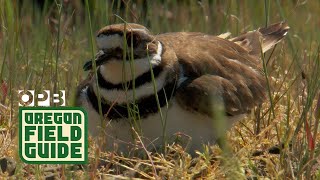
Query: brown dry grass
(28, 43)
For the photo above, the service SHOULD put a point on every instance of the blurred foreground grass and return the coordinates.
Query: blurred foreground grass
(35, 43)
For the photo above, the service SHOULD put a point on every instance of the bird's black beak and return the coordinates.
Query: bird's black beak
(100, 59)
(88, 65)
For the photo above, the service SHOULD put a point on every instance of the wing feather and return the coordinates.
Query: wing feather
(216, 71)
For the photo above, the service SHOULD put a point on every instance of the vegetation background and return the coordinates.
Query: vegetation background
(44, 44)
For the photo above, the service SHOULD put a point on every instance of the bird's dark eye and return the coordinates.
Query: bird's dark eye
(132, 39)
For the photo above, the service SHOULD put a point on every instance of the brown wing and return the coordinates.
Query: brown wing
(215, 68)
(208, 92)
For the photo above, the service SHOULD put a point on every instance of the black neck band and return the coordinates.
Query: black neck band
(147, 105)
(140, 80)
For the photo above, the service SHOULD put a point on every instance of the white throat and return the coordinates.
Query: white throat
(116, 71)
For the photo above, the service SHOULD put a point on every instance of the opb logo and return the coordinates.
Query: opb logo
(29, 98)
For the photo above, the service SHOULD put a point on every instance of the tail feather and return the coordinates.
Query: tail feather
(273, 34)
(264, 38)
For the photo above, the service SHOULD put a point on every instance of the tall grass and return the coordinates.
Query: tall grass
(46, 48)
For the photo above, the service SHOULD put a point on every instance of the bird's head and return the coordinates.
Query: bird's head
(120, 42)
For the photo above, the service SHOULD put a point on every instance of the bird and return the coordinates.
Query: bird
(160, 88)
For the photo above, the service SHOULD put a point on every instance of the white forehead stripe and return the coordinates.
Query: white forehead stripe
(109, 41)
(143, 30)
(112, 41)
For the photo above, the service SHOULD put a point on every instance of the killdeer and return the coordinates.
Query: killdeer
(180, 82)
